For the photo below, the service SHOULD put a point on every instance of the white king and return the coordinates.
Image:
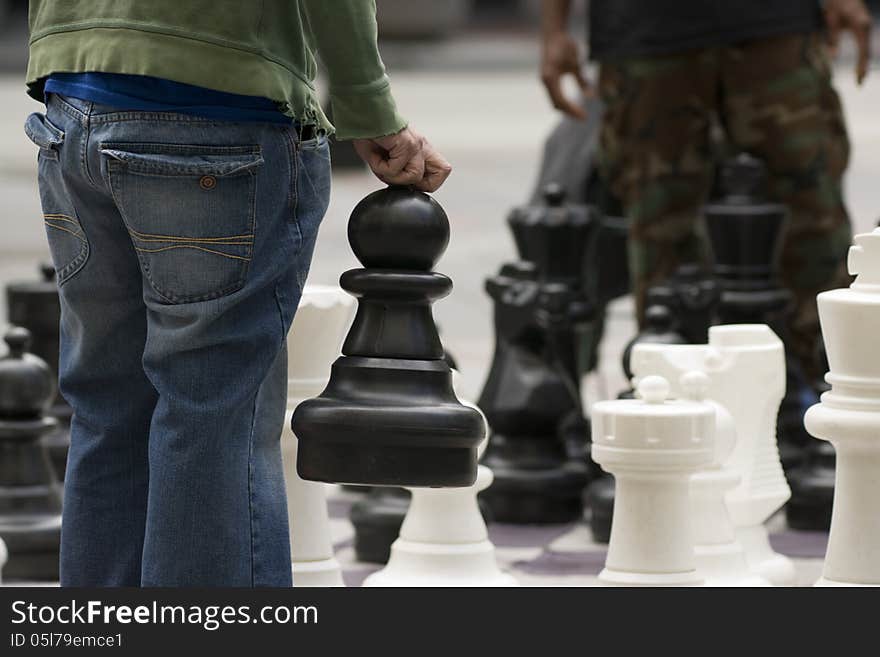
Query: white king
(849, 417)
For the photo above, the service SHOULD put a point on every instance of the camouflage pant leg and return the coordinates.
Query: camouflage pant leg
(779, 104)
(655, 156)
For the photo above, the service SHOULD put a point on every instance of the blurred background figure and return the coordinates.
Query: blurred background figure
(670, 70)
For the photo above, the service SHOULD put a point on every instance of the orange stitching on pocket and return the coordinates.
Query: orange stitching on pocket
(62, 217)
(187, 246)
(178, 238)
(67, 230)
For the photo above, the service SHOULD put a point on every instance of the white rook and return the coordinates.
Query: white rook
(652, 446)
(315, 339)
(849, 417)
(746, 367)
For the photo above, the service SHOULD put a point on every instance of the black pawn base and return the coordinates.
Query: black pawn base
(812, 489)
(532, 486)
(377, 519)
(600, 501)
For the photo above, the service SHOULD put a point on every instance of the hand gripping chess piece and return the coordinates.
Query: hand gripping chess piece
(849, 417)
(388, 415)
(652, 446)
(720, 556)
(319, 326)
(746, 367)
(443, 541)
(30, 496)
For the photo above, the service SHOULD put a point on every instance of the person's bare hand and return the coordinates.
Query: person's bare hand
(405, 158)
(560, 56)
(852, 16)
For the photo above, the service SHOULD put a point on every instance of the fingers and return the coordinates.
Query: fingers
(553, 84)
(437, 170)
(404, 159)
(862, 34)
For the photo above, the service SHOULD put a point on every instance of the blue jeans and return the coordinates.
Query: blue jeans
(181, 246)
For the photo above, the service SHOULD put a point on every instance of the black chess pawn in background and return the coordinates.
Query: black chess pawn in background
(30, 495)
(745, 232)
(34, 305)
(388, 415)
(538, 449)
(660, 327)
(692, 295)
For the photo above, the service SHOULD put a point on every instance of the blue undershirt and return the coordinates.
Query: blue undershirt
(145, 93)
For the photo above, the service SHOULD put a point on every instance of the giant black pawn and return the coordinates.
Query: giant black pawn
(388, 415)
(34, 305)
(30, 496)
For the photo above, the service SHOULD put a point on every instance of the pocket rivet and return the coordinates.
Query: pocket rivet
(207, 182)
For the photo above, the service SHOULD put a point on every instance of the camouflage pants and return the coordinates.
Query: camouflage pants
(774, 98)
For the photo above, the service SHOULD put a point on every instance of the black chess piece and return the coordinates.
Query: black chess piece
(35, 305)
(377, 518)
(660, 328)
(30, 495)
(538, 450)
(525, 399)
(745, 235)
(693, 296)
(388, 415)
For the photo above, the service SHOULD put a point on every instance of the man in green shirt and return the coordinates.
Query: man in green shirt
(184, 172)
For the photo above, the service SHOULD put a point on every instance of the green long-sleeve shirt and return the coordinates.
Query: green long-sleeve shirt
(259, 48)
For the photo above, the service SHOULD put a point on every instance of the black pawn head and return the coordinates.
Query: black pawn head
(743, 177)
(398, 228)
(27, 385)
(554, 195)
(47, 270)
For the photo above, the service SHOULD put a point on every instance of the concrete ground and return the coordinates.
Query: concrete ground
(490, 119)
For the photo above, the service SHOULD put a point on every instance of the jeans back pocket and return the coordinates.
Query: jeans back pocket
(190, 213)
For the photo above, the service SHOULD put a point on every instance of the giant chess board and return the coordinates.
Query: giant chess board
(559, 555)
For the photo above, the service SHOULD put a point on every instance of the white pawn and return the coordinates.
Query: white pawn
(443, 540)
(849, 417)
(746, 366)
(315, 338)
(652, 446)
(720, 556)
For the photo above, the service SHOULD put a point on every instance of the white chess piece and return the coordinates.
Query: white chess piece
(849, 417)
(319, 327)
(443, 540)
(720, 556)
(4, 557)
(746, 366)
(652, 446)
